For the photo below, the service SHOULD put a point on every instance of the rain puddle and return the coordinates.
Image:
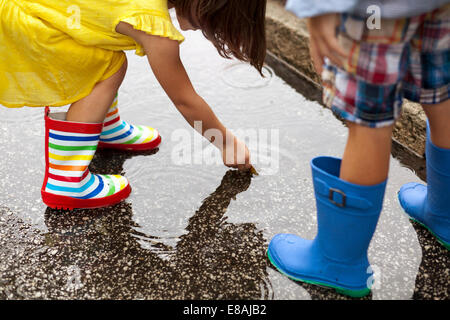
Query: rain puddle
(191, 229)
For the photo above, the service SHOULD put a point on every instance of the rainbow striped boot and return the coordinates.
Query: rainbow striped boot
(68, 183)
(118, 134)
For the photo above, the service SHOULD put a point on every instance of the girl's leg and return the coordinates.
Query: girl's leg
(71, 142)
(439, 119)
(367, 155)
(101, 107)
(93, 108)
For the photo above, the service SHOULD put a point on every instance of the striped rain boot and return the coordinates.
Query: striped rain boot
(118, 134)
(68, 183)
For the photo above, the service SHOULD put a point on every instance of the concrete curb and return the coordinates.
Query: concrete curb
(288, 40)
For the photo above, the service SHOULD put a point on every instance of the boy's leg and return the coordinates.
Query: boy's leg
(93, 108)
(429, 204)
(365, 91)
(367, 155)
(428, 84)
(439, 119)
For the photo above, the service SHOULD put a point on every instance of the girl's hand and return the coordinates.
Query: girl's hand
(236, 155)
(324, 41)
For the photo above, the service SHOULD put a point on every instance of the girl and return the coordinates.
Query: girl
(59, 52)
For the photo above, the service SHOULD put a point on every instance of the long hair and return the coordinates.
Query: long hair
(235, 27)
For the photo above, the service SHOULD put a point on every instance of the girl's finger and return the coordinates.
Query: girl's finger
(241, 167)
(231, 165)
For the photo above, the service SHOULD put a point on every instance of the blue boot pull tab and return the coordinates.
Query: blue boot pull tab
(346, 200)
(347, 215)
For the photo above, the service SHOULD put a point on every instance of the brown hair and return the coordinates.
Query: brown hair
(235, 27)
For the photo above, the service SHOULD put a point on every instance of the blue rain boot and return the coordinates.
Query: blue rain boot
(430, 205)
(347, 216)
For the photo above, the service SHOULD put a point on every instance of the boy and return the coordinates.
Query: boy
(366, 74)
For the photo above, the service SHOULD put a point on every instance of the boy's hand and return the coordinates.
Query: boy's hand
(236, 155)
(324, 42)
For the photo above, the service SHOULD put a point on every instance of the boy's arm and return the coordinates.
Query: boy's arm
(323, 18)
(164, 58)
(324, 41)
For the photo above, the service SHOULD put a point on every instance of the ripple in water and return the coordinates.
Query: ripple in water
(139, 172)
(163, 209)
(243, 76)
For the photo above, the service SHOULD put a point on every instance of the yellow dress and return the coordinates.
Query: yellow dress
(53, 52)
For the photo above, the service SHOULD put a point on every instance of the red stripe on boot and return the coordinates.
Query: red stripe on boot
(111, 122)
(68, 179)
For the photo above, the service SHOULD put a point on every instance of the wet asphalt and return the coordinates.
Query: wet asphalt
(196, 230)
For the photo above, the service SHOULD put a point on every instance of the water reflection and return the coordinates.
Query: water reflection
(432, 281)
(98, 254)
(243, 76)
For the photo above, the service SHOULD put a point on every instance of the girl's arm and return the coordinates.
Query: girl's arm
(164, 57)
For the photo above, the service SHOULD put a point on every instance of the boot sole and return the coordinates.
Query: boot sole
(442, 242)
(130, 147)
(67, 203)
(340, 290)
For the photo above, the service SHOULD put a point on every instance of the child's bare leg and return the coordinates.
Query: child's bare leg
(70, 148)
(93, 108)
(367, 155)
(439, 119)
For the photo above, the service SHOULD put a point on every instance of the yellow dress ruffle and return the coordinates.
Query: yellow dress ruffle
(51, 56)
(153, 25)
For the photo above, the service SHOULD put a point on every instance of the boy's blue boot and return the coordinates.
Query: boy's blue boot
(430, 205)
(347, 216)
